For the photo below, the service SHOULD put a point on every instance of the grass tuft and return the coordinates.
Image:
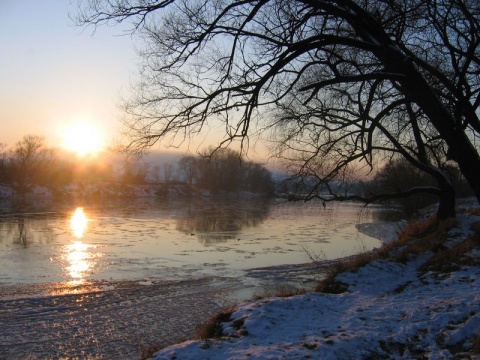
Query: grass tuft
(452, 259)
(418, 237)
(330, 285)
(213, 329)
(283, 291)
(423, 236)
(147, 352)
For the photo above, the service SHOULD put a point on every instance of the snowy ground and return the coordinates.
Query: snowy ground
(391, 310)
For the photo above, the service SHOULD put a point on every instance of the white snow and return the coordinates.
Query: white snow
(391, 310)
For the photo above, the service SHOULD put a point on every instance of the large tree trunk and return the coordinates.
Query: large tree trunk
(416, 88)
(446, 203)
(461, 149)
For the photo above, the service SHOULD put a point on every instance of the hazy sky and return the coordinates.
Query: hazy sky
(53, 73)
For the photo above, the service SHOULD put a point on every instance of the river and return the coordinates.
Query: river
(106, 279)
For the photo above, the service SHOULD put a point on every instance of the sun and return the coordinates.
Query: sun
(83, 137)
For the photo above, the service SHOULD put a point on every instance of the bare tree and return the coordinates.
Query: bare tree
(133, 170)
(225, 171)
(168, 172)
(30, 162)
(155, 174)
(3, 163)
(187, 167)
(355, 79)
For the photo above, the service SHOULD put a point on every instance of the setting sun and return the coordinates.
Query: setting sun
(83, 137)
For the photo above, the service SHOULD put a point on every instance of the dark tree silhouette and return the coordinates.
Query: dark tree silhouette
(353, 79)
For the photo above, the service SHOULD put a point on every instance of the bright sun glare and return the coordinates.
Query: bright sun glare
(83, 137)
(78, 222)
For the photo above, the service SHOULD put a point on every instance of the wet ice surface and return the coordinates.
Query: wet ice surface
(142, 273)
(116, 322)
(134, 240)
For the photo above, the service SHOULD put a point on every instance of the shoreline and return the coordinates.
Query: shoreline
(118, 322)
(121, 318)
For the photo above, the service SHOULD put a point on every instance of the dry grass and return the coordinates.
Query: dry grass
(283, 291)
(452, 259)
(147, 352)
(422, 236)
(418, 237)
(213, 328)
(353, 263)
(330, 285)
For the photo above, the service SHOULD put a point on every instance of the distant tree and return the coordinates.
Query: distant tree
(219, 170)
(257, 178)
(398, 176)
(154, 174)
(4, 176)
(187, 167)
(224, 170)
(31, 162)
(61, 173)
(168, 172)
(134, 171)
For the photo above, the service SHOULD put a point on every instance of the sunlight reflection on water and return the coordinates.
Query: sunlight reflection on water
(78, 223)
(78, 260)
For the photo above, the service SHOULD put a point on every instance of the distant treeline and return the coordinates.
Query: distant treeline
(224, 170)
(32, 162)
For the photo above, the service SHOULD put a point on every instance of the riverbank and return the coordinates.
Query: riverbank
(426, 305)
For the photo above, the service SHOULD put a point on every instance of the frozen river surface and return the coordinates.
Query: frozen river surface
(92, 280)
(120, 322)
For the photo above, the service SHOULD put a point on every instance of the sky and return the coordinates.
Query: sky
(54, 74)
(65, 82)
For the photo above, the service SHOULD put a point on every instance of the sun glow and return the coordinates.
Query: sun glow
(83, 137)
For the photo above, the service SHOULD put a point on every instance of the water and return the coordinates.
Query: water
(149, 239)
(104, 280)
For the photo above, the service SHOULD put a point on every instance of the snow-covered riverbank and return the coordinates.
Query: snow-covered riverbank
(391, 310)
